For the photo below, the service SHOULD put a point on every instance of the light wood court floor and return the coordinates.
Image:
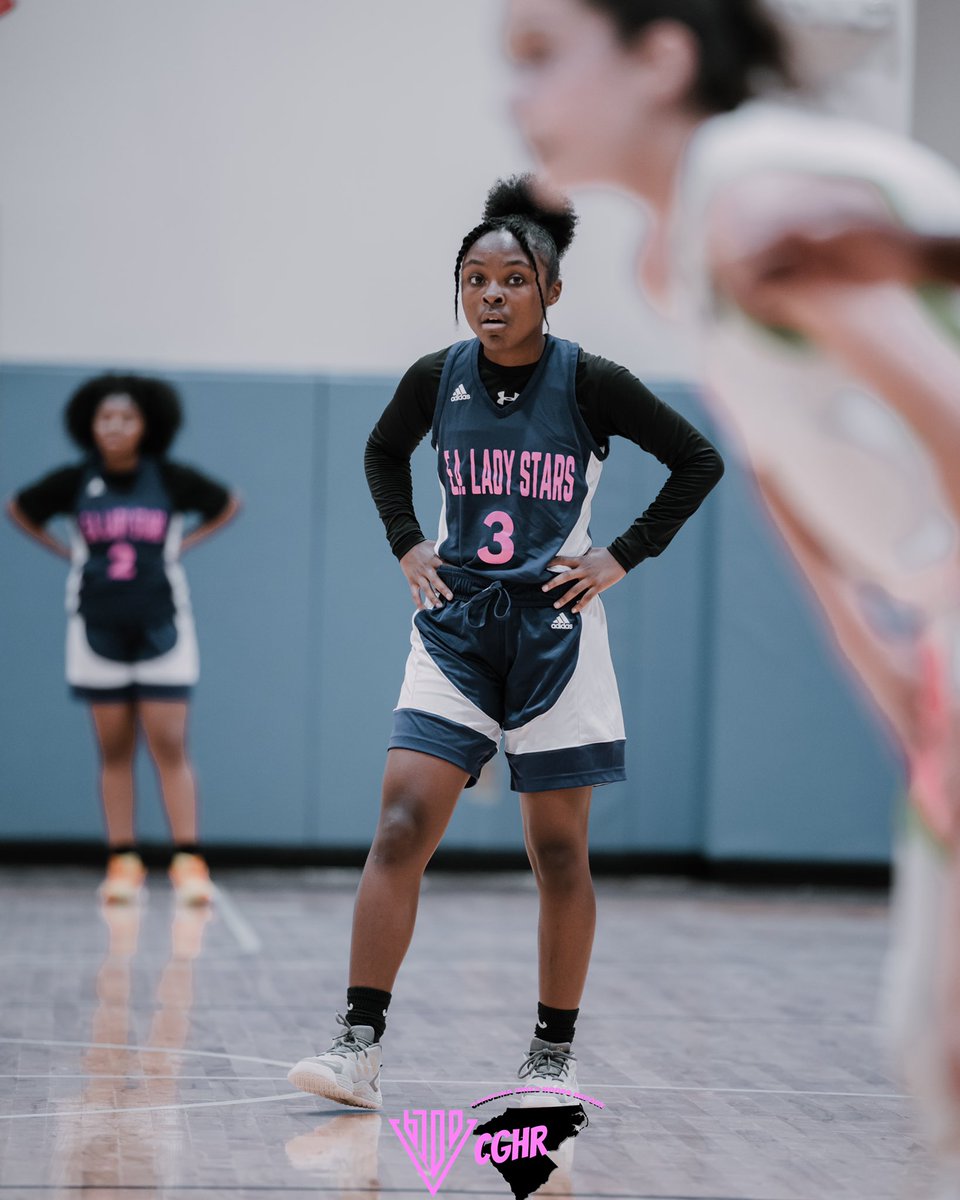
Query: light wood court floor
(729, 1035)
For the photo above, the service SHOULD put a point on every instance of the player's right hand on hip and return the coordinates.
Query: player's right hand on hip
(419, 565)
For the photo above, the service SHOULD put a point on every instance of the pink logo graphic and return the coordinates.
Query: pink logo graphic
(433, 1140)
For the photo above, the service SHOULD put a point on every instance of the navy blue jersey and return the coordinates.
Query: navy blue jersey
(518, 476)
(125, 534)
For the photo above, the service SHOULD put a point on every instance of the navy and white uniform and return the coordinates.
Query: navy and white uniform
(517, 476)
(130, 629)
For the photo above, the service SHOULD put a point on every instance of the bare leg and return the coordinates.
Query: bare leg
(420, 793)
(165, 725)
(116, 728)
(555, 831)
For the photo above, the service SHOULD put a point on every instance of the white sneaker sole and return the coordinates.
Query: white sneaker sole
(193, 897)
(547, 1098)
(321, 1081)
(120, 893)
(544, 1100)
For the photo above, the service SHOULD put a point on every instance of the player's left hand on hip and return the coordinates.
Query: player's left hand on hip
(584, 577)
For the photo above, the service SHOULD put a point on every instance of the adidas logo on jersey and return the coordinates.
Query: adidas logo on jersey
(562, 622)
(460, 393)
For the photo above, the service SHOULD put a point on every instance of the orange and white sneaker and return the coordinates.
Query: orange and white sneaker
(190, 877)
(124, 879)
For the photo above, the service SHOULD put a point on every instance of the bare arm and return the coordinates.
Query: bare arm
(876, 327)
(890, 683)
(780, 227)
(37, 532)
(209, 528)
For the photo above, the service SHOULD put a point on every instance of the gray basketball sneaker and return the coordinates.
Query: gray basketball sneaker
(349, 1072)
(551, 1068)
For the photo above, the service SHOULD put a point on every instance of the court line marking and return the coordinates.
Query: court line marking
(244, 934)
(667, 1087)
(267, 1062)
(89, 1112)
(187, 1079)
(323, 1189)
(460, 1083)
(637, 1087)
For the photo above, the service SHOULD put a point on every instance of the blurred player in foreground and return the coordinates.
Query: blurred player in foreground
(818, 261)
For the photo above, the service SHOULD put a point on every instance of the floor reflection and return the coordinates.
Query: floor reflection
(342, 1153)
(560, 1182)
(100, 1142)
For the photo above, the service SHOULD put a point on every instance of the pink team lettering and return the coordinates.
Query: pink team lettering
(123, 524)
(539, 475)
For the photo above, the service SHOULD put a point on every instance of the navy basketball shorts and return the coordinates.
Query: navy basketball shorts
(495, 663)
(132, 659)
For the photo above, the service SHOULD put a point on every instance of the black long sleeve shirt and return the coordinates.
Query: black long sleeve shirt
(612, 401)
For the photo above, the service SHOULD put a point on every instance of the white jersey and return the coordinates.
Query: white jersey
(840, 453)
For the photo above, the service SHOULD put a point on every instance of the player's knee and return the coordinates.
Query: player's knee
(401, 834)
(168, 747)
(117, 750)
(560, 862)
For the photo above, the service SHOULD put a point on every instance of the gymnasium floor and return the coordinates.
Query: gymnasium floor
(729, 1036)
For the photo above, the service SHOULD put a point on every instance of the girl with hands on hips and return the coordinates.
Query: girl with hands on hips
(500, 646)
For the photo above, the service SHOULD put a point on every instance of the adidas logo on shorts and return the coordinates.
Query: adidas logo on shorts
(562, 622)
(460, 393)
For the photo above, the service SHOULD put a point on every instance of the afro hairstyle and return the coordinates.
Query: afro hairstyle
(158, 402)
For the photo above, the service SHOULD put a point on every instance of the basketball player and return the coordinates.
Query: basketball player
(509, 639)
(817, 258)
(131, 646)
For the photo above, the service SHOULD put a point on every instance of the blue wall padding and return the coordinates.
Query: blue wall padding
(746, 739)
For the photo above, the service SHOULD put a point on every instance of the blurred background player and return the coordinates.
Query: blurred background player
(131, 646)
(510, 636)
(817, 260)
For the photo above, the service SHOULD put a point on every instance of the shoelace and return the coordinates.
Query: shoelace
(347, 1043)
(480, 603)
(545, 1062)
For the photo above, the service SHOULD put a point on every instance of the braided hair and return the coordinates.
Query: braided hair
(541, 232)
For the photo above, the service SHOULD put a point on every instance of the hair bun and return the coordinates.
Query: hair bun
(518, 197)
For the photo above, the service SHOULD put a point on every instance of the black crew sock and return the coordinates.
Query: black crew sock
(555, 1024)
(186, 848)
(123, 848)
(368, 1006)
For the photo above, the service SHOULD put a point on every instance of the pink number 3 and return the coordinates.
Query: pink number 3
(123, 561)
(501, 538)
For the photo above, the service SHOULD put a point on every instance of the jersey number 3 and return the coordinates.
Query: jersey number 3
(123, 561)
(501, 539)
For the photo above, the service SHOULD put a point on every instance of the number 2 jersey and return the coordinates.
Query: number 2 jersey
(519, 454)
(126, 530)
